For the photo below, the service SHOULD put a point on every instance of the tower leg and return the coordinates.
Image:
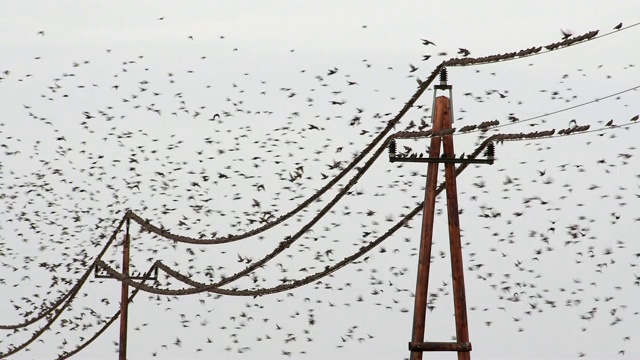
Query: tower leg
(124, 296)
(457, 268)
(424, 257)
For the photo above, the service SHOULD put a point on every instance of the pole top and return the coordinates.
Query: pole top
(443, 76)
(443, 80)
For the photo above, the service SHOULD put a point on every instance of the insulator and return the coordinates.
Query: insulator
(443, 76)
(392, 147)
(490, 153)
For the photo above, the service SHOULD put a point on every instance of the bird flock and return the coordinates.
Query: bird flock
(282, 230)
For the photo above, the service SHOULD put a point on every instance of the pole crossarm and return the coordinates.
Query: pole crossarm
(441, 160)
(151, 275)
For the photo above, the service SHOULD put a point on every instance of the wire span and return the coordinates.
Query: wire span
(519, 121)
(214, 288)
(288, 241)
(230, 238)
(575, 132)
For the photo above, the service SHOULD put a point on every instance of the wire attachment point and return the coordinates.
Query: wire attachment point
(490, 152)
(443, 76)
(392, 148)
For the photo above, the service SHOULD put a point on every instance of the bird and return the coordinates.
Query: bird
(618, 27)
(427, 42)
(566, 34)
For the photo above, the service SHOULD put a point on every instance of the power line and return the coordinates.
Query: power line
(166, 234)
(200, 287)
(602, 129)
(590, 36)
(565, 109)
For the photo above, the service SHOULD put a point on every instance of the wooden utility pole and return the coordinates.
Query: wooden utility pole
(124, 296)
(442, 121)
(124, 290)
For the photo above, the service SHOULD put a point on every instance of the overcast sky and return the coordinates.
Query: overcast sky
(109, 106)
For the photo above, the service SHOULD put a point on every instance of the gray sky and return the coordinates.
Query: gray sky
(151, 74)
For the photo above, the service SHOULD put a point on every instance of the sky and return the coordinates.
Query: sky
(111, 106)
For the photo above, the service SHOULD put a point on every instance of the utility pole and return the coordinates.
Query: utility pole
(124, 295)
(124, 292)
(442, 121)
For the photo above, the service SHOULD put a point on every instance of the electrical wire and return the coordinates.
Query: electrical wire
(296, 283)
(590, 36)
(598, 130)
(184, 239)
